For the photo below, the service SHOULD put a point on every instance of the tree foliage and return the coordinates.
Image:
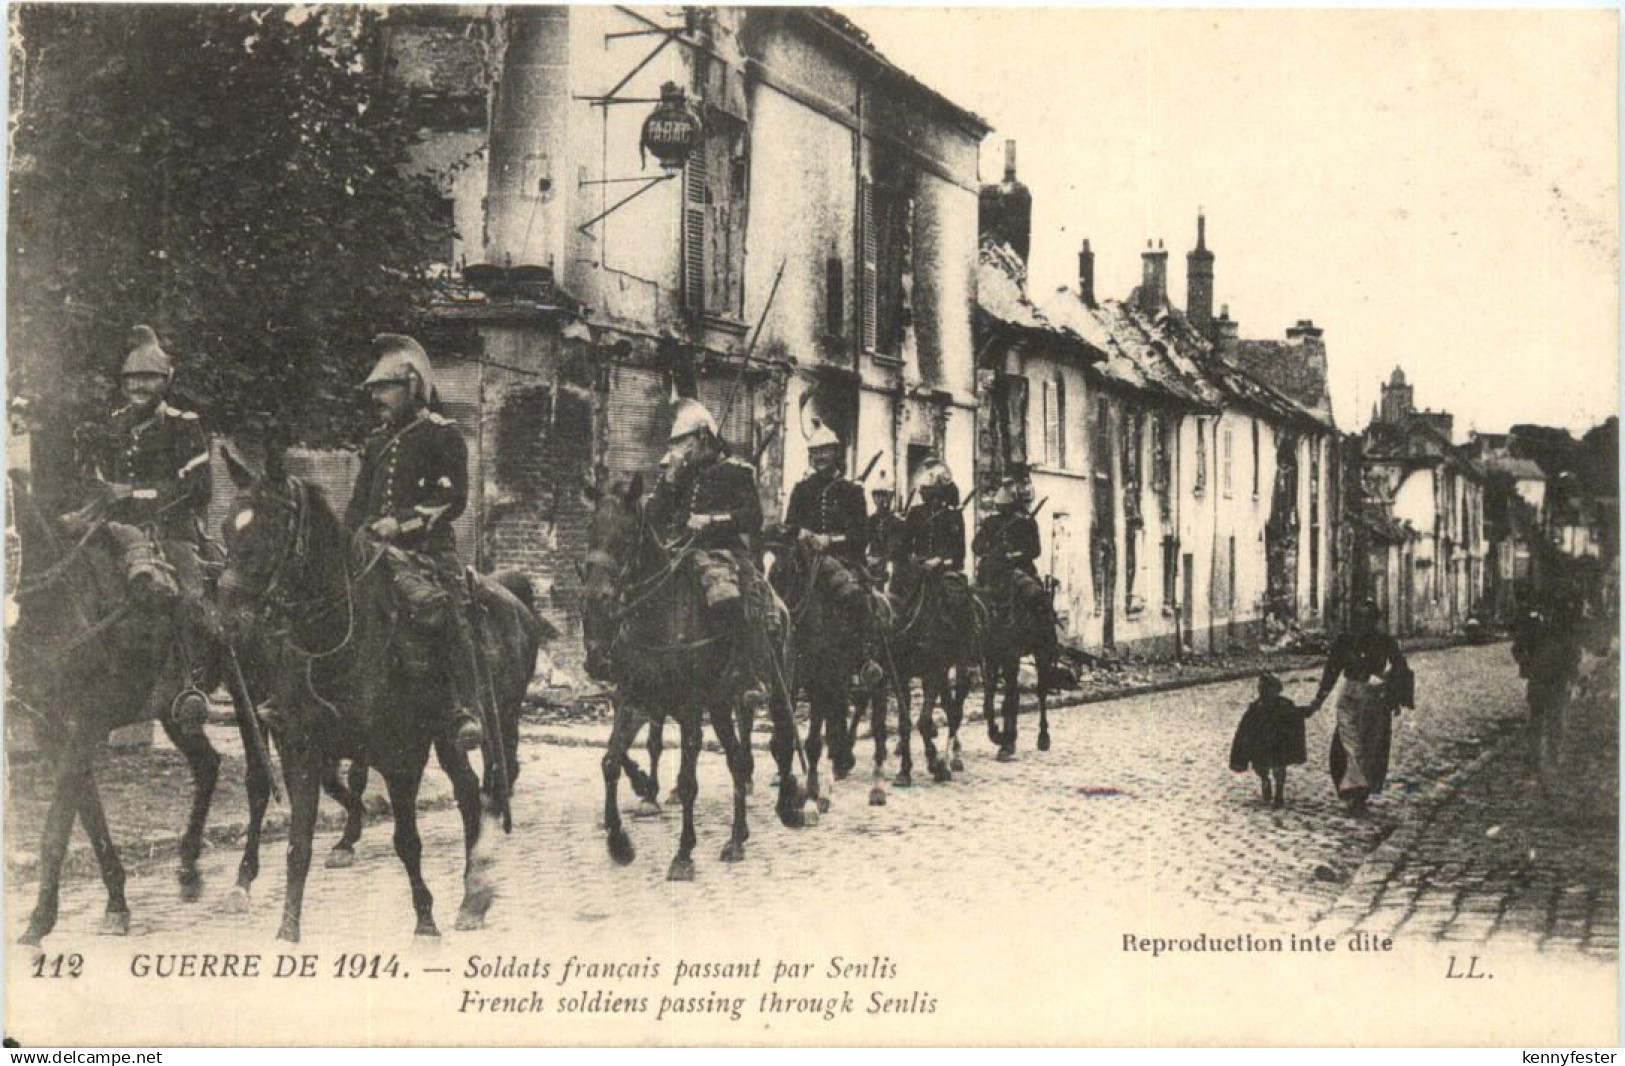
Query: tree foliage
(235, 176)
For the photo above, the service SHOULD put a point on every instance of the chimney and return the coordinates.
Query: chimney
(1086, 274)
(1226, 331)
(1006, 210)
(1199, 281)
(1305, 331)
(1154, 278)
(525, 205)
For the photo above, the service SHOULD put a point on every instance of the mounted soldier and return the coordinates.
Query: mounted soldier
(412, 485)
(1007, 547)
(705, 492)
(934, 530)
(827, 511)
(885, 529)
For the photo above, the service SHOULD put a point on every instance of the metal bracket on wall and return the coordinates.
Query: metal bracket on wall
(623, 201)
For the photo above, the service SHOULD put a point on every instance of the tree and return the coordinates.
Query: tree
(238, 178)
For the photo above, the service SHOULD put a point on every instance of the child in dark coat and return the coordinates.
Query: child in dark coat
(1270, 738)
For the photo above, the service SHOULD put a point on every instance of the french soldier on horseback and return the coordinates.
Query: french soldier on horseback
(885, 529)
(705, 492)
(1007, 547)
(933, 531)
(413, 484)
(828, 511)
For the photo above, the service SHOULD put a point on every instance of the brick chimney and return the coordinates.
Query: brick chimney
(1199, 281)
(1006, 210)
(1154, 279)
(1086, 274)
(1226, 331)
(525, 212)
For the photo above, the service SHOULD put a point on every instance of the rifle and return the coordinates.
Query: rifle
(871, 467)
(1039, 506)
(751, 347)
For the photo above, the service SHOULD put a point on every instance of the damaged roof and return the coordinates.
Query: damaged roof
(832, 21)
(1001, 300)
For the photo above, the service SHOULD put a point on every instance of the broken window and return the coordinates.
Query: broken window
(715, 196)
(1314, 525)
(1055, 422)
(1255, 458)
(1130, 463)
(1228, 455)
(1163, 446)
(1201, 457)
(1170, 573)
(834, 297)
(1010, 417)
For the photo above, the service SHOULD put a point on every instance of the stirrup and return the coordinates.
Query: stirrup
(871, 674)
(470, 734)
(190, 708)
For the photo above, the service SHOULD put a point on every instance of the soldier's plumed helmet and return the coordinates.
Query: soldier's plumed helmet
(690, 417)
(935, 480)
(401, 358)
(145, 356)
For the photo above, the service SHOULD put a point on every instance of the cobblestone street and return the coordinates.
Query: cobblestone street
(1134, 802)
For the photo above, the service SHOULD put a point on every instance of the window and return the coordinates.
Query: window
(1228, 454)
(1130, 463)
(893, 228)
(715, 197)
(1055, 422)
(1163, 445)
(1230, 578)
(1314, 525)
(1100, 444)
(1131, 566)
(1170, 573)
(1201, 457)
(1010, 417)
(834, 297)
(1255, 458)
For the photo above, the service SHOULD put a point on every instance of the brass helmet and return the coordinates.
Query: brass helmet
(689, 417)
(400, 358)
(145, 355)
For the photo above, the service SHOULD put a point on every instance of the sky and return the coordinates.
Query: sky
(1436, 190)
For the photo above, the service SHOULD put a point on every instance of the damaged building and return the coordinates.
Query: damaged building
(631, 189)
(1188, 505)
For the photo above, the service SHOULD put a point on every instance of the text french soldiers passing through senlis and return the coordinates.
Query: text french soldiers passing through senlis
(934, 529)
(712, 496)
(153, 461)
(827, 508)
(412, 485)
(1007, 547)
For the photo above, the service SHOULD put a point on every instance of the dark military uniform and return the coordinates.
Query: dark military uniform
(1007, 549)
(931, 531)
(834, 506)
(163, 456)
(722, 487)
(886, 543)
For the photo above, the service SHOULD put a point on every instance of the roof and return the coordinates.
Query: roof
(1002, 301)
(1520, 469)
(842, 27)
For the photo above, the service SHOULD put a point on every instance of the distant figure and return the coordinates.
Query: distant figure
(1270, 738)
(1546, 645)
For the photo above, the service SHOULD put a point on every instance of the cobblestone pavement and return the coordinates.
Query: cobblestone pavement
(1133, 810)
(1524, 856)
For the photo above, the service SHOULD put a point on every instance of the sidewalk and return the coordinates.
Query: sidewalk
(147, 793)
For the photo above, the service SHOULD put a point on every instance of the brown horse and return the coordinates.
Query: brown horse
(328, 622)
(941, 630)
(88, 657)
(643, 629)
(1011, 637)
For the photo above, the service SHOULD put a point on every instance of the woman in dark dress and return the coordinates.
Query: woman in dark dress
(1376, 682)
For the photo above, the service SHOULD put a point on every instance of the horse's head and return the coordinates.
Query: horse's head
(615, 539)
(269, 532)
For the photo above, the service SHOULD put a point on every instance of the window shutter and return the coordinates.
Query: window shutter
(870, 247)
(695, 179)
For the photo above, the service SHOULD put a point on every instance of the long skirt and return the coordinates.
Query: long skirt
(1361, 741)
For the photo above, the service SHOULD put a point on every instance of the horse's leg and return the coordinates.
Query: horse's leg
(1011, 670)
(347, 794)
(258, 785)
(94, 819)
(745, 720)
(841, 736)
(722, 722)
(302, 772)
(905, 734)
(655, 745)
(72, 773)
(403, 781)
(621, 735)
(783, 746)
(688, 788)
(877, 728)
(992, 678)
(1044, 667)
(819, 710)
(204, 762)
(932, 683)
(478, 892)
(956, 715)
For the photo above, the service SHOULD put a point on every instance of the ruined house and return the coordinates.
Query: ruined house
(1188, 504)
(800, 168)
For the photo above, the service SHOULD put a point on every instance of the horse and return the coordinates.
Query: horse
(1009, 639)
(88, 656)
(294, 580)
(642, 627)
(939, 630)
(828, 653)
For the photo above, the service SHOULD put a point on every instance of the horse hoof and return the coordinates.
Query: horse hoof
(681, 870)
(940, 773)
(238, 901)
(905, 779)
(877, 797)
(793, 818)
(620, 847)
(1005, 755)
(809, 818)
(426, 928)
(841, 772)
(957, 765)
(673, 797)
(469, 920)
(341, 857)
(1043, 742)
(648, 809)
(191, 883)
(116, 923)
(31, 938)
(289, 933)
(733, 851)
